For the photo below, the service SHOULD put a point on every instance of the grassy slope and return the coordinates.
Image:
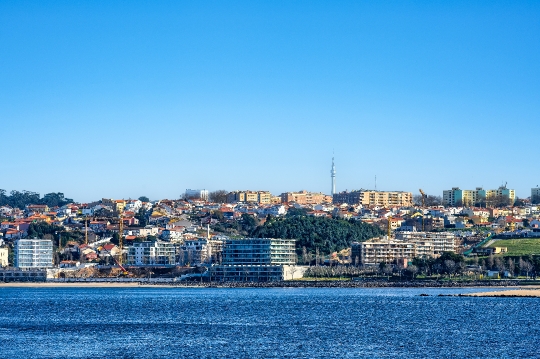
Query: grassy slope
(519, 247)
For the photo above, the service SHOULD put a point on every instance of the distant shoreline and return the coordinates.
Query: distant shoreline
(67, 284)
(281, 284)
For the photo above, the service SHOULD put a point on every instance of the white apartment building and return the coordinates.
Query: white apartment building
(457, 196)
(33, 253)
(406, 245)
(259, 251)
(439, 241)
(152, 253)
(195, 251)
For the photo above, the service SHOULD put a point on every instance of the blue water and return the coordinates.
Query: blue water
(264, 323)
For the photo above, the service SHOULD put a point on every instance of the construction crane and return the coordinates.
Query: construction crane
(120, 240)
(423, 205)
(389, 229)
(86, 230)
(124, 270)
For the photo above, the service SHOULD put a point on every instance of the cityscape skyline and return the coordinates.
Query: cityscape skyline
(166, 189)
(333, 189)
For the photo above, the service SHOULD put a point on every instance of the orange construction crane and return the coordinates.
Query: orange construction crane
(124, 270)
(120, 239)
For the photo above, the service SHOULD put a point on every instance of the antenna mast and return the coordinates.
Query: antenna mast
(333, 176)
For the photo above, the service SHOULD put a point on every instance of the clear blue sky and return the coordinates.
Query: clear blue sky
(128, 98)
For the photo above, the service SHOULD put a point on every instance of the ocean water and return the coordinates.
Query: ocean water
(264, 323)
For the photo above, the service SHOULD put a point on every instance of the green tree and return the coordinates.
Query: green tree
(22, 199)
(327, 234)
(219, 196)
(144, 199)
(217, 215)
(115, 238)
(141, 216)
(296, 212)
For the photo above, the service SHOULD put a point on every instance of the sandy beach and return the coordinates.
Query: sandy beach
(533, 292)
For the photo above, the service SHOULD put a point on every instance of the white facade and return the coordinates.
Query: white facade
(195, 251)
(133, 205)
(3, 257)
(33, 253)
(172, 234)
(152, 253)
(440, 241)
(406, 245)
(256, 273)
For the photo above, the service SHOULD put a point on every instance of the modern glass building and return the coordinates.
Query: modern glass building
(259, 251)
(258, 260)
(33, 253)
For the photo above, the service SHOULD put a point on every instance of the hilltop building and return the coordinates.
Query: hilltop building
(117, 205)
(459, 197)
(374, 198)
(33, 253)
(304, 197)
(262, 197)
(535, 194)
(197, 194)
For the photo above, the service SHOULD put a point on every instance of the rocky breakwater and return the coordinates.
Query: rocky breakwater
(368, 283)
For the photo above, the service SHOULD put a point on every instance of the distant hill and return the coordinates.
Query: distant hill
(327, 234)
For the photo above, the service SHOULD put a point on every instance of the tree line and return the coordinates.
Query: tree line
(17, 199)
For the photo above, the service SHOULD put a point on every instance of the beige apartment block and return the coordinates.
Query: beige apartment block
(406, 245)
(375, 198)
(263, 197)
(305, 197)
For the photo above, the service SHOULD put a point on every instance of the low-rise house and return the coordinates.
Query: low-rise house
(71, 248)
(130, 221)
(6, 210)
(99, 226)
(69, 264)
(37, 208)
(142, 231)
(108, 250)
(318, 214)
(13, 234)
(173, 234)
